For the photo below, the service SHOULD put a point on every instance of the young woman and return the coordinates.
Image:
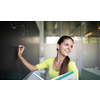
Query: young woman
(57, 65)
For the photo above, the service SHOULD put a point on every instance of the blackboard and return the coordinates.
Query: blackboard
(12, 34)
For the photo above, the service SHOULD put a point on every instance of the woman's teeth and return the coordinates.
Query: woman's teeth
(67, 51)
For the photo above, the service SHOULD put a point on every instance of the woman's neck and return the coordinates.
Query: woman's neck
(59, 57)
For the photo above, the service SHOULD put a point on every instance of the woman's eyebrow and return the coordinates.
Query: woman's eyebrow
(69, 44)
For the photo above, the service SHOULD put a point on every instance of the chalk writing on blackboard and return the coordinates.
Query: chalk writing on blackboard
(13, 24)
(22, 30)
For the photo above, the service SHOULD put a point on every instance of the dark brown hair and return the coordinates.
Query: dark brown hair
(64, 65)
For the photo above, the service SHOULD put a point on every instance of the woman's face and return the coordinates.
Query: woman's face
(65, 47)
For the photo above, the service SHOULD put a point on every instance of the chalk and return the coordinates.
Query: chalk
(20, 46)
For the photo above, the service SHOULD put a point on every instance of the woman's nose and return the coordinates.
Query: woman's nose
(69, 47)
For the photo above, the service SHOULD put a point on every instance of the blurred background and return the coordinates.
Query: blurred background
(86, 50)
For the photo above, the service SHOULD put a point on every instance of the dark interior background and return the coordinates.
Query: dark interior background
(12, 34)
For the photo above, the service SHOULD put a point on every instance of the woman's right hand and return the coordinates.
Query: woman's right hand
(27, 64)
(20, 50)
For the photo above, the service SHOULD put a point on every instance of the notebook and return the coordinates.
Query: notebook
(67, 76)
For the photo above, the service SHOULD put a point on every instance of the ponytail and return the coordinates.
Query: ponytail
(64, 65)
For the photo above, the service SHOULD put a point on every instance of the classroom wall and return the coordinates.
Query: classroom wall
(90, 55)
(50, 50)
(40, 25)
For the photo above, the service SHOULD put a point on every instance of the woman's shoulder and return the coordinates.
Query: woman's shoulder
(72, 63)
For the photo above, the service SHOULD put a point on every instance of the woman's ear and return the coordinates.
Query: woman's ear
(57, 46)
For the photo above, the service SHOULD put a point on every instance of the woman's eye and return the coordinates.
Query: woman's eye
(71, 46)
(66, 44)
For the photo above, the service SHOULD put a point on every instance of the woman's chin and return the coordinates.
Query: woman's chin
(65, 55)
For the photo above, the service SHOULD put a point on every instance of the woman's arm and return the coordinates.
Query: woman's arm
(27, 64)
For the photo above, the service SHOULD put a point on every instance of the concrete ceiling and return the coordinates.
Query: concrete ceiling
(71, 28)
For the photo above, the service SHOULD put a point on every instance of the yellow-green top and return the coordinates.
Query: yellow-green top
(52, 73)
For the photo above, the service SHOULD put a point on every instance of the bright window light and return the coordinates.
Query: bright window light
(51, 39)
(77, 38)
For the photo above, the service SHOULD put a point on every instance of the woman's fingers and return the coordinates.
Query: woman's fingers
(21, 49)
